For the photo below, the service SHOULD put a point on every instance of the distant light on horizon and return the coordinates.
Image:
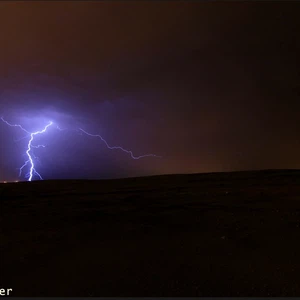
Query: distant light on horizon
(8, 181)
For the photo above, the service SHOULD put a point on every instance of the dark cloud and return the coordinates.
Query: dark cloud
(210, 86)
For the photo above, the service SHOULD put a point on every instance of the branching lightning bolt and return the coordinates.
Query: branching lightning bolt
(118, 147)
(15, 125)
(30, 156)
(30, 161)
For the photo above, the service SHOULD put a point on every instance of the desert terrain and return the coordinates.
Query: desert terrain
(215, 234)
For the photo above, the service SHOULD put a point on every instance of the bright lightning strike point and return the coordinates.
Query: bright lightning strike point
(29, 161)
(32, 170)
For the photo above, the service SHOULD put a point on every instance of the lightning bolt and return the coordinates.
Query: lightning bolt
(30, 156)
(30, 161)
(118, 147)
(15, 125)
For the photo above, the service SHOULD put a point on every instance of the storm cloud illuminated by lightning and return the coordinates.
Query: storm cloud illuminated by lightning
(30, 157)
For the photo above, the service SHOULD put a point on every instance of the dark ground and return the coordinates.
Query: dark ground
(222, 234)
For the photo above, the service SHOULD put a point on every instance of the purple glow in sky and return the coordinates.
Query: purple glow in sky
(30, 160)
(209, 86)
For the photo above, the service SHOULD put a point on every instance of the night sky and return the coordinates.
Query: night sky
(209, 86)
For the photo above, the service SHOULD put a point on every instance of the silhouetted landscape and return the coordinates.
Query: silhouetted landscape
(213, 234)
